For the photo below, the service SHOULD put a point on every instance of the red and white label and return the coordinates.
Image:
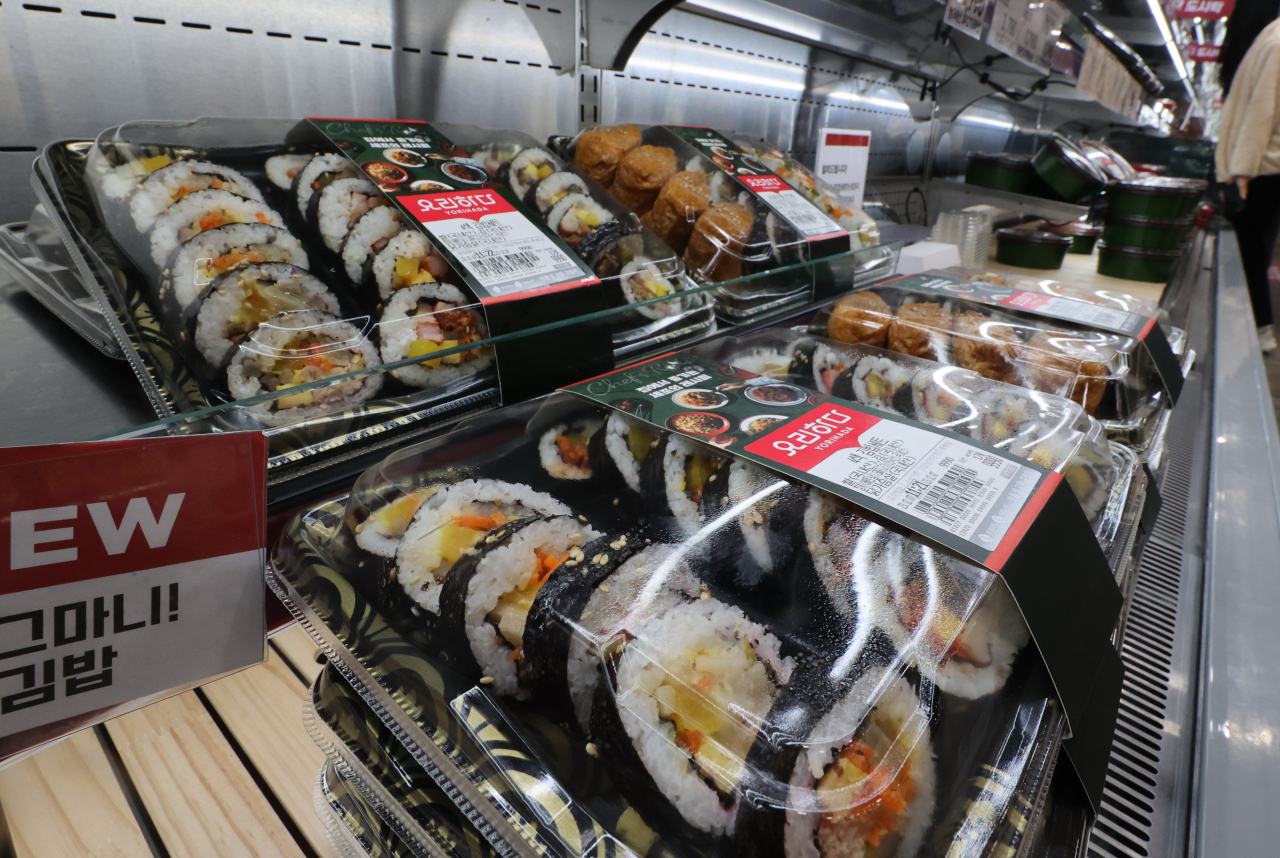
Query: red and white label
(1208, 9)
(808, 219)
(841, 161)
(1071, 310)
(497, 245)
(1203, 53)
(129, 568)
(935, 478)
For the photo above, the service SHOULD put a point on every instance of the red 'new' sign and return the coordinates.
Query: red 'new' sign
(1202, 8)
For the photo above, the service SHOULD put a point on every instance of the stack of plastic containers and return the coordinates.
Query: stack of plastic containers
(968, 230)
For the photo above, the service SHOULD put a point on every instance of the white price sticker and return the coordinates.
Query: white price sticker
(842, 161)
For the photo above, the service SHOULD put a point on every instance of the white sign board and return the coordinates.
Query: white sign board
(1028, 31)
(842, 162)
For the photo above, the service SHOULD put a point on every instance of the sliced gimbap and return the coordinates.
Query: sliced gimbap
(643, 280)
(576, 216)
(170, 183)
(556, 187)
(239, 301)
(431, 317)
(618, 452)
(408, 259)
(338, 205)
(318, 172)
(297, 348)
(529, 168)
(283, 169)
(198, 262)
(369, 234)
(202, 211)
(673, 478)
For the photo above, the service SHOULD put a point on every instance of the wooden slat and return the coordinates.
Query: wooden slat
(300, 650)
(65, 801)
(200, 797)
(262, 709)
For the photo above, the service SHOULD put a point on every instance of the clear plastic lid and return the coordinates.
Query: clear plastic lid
(269, 276)
(1107, 374)
(756, 664)
(1049, 430)
(862, 229)
(721, 229)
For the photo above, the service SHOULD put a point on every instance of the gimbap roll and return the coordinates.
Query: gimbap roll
(297, 348)
(318, 172)
(759, 516)
(563, 449)
(860, 782)
(529, 168)
(380, 533)
(486, 596)
(642, 280)
(450, 524)
(816, 365)
(674, 475)
(877, 381)
(618, 452)
(421, 320)
(947, 398)
(408, 259)
(170, 183)
(496, 158)
(832, 530)
(556, 187)
(619, 583)
(689, 694)
(369, 234)
(198, 262)
(283, 169)
(202, 211)
(576, 216)
(338, 205)
(239, 301)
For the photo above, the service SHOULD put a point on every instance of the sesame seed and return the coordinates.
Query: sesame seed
(486, 680)
(571, 563)
(416, 579)
(615, 501)
(582, 518)
(617, 545)
(604, 588)
(592, 751)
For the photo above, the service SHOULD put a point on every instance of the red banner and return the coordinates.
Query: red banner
(1202, 53)
(1208, 9)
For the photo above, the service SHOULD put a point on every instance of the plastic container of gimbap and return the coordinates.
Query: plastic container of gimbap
(1110, 375)
(1067, 170)
(384, 775)
(352, 827)
(1026, 248)
(1000, 172)
(1155, 196)
(1138, 263)
(1147, 233)
(593, 633)
(1047, 429)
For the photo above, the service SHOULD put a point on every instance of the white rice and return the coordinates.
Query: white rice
(157, 192)
(294, 287)
(659, 651)
(501, 570)
(374, 225)
(281, 169)
(420, 567)
(557, 186)
(746, 481)
(341, 202)
(252, 360)
(398, 331)
(183, 217)
(407, 244)
(894, 714)
(643, 587)
(617, 432)
(549, 453)
(563, 217)
(315, 168)
(527, 157)
(191, 268)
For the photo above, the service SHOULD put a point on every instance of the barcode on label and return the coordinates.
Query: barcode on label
(491, 267)
(950, 496)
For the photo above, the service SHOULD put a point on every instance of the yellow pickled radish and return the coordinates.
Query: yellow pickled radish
(294, 400)
(406, 267)
(155, 162)
(455, 539)
(658, 289)
(418, 348)
(453, 358)
(544, 171)
(395, 516)
(591, 219)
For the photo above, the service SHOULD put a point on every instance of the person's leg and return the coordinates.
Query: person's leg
(1257, 228)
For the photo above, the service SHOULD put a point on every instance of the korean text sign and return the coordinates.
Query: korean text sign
(129, 568)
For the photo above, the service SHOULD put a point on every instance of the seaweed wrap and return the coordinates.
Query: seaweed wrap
(241, 300)
(672, 481)
(617, 453)
(486, 596)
